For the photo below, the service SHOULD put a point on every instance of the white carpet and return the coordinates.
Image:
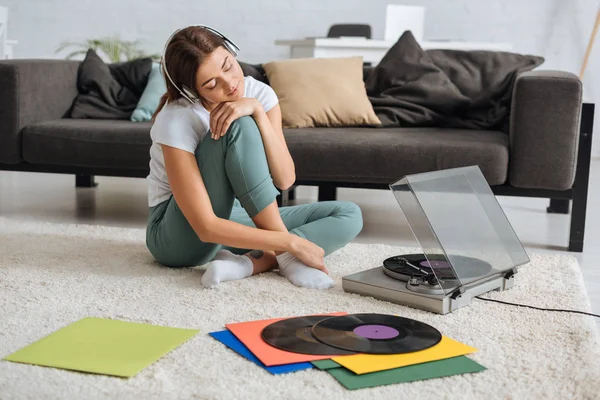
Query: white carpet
(52, 275)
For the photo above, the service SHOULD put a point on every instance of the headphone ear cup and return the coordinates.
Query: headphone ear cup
(190, 93)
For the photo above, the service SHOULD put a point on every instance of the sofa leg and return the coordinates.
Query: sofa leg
(286, 197)
(558, 206)
(292, 193)
(327, 192)
(582, 174)
(85, 181)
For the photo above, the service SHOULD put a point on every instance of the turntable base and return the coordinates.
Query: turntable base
(375, 283)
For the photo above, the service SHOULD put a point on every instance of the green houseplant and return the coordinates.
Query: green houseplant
(112, 48)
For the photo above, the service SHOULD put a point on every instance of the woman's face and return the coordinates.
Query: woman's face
(220, 78)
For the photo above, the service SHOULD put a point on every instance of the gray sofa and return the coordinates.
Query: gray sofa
(546, 153)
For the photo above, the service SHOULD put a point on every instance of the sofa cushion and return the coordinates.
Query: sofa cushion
(365, 155)
(383, 155)
(310, 93)
(88, 143)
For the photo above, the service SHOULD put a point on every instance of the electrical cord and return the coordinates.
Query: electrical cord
(537, 308)
(432, 280)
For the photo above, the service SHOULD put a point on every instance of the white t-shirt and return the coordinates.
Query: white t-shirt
(184, 125)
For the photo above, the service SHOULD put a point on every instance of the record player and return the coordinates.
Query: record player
(468, 245)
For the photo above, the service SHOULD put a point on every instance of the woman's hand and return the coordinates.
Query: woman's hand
(308, 252)
(225, 113)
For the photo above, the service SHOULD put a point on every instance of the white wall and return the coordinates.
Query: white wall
(555, 29)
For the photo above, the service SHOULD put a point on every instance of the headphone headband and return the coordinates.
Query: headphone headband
(190, 94)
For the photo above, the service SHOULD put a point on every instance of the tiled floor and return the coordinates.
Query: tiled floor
(122, 202)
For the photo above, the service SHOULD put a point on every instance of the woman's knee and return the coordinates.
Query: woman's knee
(352, 215)
(243, 132)
(244, 122)
(243, 127)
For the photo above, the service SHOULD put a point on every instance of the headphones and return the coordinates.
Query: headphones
(190, 94)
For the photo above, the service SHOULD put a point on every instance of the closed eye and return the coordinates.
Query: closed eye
(212, 79)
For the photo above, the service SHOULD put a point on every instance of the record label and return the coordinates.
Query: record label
(295, 335)
(376, 333)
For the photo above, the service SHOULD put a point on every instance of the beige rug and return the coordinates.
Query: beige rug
(52, 275)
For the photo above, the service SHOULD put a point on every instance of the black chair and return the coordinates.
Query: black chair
(359, 30)
(338, 30)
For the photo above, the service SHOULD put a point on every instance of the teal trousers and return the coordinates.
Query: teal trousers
(236, 175)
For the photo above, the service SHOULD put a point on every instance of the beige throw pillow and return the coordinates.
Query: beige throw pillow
(321, 92)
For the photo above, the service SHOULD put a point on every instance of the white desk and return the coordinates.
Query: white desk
(372, 50)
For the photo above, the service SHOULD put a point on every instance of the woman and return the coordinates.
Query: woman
(218, 156)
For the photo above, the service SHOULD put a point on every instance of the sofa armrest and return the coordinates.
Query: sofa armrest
(544, 130)
(32, 91)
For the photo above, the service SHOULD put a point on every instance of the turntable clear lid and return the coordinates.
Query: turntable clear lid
(459, 224)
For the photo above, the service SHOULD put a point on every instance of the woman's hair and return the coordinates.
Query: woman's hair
(185, 53)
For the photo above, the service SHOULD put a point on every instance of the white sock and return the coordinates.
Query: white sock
(301, 274)
(226, 267)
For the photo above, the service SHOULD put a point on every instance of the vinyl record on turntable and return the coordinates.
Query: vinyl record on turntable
(405, 266)
(294, 334)
(376, 333)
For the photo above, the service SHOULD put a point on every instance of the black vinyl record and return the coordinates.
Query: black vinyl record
(376, 333)
(418, 266)
(294, 334)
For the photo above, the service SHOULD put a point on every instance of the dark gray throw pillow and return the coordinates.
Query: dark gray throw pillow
(254, 70)
(487, 79)
(407, 88)
(109, 91)
(446, 88)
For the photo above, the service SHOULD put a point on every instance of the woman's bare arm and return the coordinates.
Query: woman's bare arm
(281, 164)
